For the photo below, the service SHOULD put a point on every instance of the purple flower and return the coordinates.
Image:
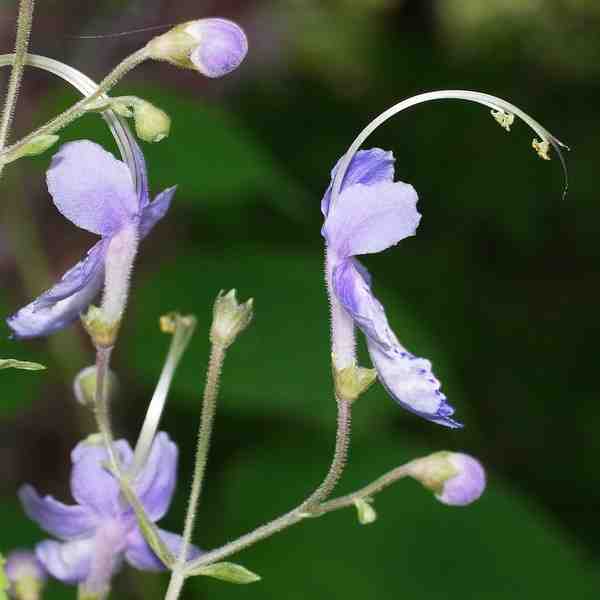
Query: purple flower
(96, 192)
(371, 214)
(468, 483)
(222, 46)
(101, 529)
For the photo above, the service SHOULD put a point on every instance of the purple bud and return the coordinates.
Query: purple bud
(222, 46)
(468, 483)
(456, 479)
(26, 574)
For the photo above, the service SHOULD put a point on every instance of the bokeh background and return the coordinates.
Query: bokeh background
(499, 288)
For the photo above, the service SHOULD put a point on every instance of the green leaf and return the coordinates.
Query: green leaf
(226, 571)
(12, 363)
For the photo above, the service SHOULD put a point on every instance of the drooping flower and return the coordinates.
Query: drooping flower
(372, 213)
(96, 192)
(101, 530)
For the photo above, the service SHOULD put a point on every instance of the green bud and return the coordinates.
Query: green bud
(102, 332)
(84, 386)
(366, 513)
(38, 145)
(229, 318)
(12, 363)
(351, 382)
(151, 123)
(225, 571)
(434, 470)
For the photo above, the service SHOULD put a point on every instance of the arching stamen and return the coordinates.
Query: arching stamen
(492, 102)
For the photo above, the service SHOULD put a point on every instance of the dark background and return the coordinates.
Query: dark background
(499, 288)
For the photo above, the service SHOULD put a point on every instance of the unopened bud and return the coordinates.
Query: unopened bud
(351, 382)
(84, 386)
(151, 123)
(26, 575)
(38, 145)
(456, 479)
(229, 318)
(212, 46)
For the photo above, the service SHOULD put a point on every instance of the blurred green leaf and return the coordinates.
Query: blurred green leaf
(4, 583)
(13, 363)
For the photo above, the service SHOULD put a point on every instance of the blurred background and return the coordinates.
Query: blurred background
(499, 288)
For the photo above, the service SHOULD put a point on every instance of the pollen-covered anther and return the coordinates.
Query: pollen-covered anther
(542, 148)
(504, 119)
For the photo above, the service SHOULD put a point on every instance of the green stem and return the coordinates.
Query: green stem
(306, 509)
(211, 391)
(80, 107)
(23, 33)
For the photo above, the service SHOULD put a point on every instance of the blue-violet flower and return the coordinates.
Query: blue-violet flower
(101, 529)
(96, 192)
(371, 214)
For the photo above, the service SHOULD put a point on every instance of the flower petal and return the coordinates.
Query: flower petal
(407, 379)
(367, 167)
(92, 485)
(91, 188)
(63, 521)
(156, 210)
(68, 562)
(141, 556)
(156, 483)
(371, 218)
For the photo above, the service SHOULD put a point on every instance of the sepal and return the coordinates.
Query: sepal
(225, 571)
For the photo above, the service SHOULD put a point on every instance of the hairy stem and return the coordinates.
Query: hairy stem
(80, 107)
(211, 390)
(306, 509)
(16, 74)
(101, 410)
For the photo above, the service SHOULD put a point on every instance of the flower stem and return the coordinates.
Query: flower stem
(101, 410)
(78, 109)
(16, 74)
(209, 404)
(306, 509)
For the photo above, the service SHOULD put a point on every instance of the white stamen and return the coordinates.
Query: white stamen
(504, 119)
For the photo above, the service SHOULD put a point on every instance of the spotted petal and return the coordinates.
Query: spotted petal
(91, 188)
(139, 555)
(367, 167)
(408, 379)
(58, 519)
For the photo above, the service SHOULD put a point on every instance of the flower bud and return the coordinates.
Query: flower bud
(229, 318)
(352, 381)
(25, 574)
(151, 123)
(457, 479)
(84, 386)
(212, 46)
